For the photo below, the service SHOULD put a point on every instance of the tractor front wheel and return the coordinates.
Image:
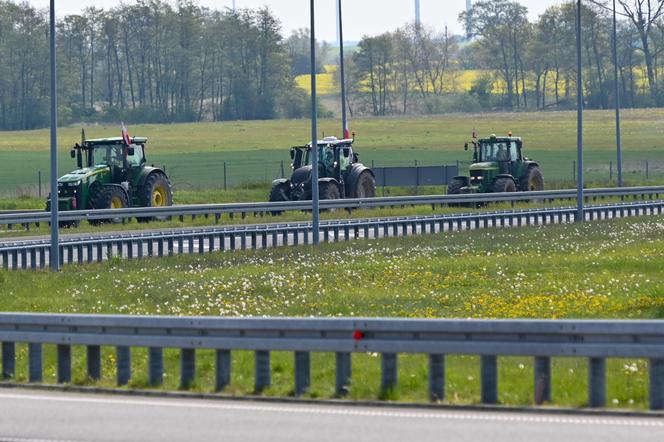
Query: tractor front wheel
(504, 185)
(454, 188)
(156, 192)
(329, 191)
(108, 197)
(279, 193)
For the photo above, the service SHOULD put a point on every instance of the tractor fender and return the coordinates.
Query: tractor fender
(280, 181)
(146, 172)
(505, 175)
(465, 179)
(354, 175)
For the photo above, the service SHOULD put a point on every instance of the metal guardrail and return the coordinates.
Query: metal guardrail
(80, 250)
(217, 210)
(543, 340)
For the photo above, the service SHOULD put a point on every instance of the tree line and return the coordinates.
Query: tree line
(153, 61)
(148, 61)
(518, 63)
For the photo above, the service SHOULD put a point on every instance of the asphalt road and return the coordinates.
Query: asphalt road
(28, 416)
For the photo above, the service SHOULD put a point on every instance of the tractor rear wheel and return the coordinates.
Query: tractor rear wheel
(108, 197)
(279, 193)
(533, 181)
(156, 192)
(504, 185)
(365, 186)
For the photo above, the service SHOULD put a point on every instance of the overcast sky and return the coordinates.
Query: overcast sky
(361, 17)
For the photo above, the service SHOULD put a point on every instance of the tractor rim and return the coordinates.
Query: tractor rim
(158, 197)
(116, 203)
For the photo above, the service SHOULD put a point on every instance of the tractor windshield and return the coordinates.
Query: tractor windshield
(497, 151)
(107, 154)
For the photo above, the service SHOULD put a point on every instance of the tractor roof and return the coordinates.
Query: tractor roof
(334, 142)
(115, 140)
(493, 139)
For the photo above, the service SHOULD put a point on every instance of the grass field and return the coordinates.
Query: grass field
(599, 270)
(194, 154)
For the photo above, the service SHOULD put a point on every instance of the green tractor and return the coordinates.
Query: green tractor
(498, 166)
(112, 174)
(340, 173)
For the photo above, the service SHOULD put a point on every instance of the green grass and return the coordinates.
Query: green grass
(194, 154)
(600, 270)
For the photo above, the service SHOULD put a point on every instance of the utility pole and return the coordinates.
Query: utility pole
(315, 222)
(55, 240)
(580, 216)
(617, 94)
(418, 22)
(342, 71)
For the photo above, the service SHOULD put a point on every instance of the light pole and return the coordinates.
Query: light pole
(315, 222)
(55, 241)
(342, 71)
(580, 217)
(617, 94)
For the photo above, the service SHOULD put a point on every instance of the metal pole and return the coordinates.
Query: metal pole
(417, 13)
(55, 242)
(315, 222)
(579, 99)
(617, 92)
(344, 118)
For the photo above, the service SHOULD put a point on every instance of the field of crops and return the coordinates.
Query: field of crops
(599, 270)
(195, 154)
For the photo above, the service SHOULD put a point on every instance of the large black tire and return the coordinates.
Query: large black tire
(156, 192)
(504, 185)
(454, 188)
(108, 197)
(329, 191)
(532, 181)
(365, 187)
(279, 193)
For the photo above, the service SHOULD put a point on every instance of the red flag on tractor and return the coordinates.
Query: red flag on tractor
(125, 135)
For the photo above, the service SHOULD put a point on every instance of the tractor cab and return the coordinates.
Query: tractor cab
(112, 153)
(334, 157)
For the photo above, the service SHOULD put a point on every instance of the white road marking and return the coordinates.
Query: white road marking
(359, 412)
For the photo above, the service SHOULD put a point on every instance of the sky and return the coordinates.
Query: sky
(361, 17)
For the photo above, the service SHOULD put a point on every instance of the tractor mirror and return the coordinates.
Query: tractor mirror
(346, 152)
(465, 146)
(131, 151)
(292, 154)
(72, 153)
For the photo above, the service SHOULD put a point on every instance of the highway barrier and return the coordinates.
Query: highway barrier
(489, 339)
(80, 250)
(27, 218)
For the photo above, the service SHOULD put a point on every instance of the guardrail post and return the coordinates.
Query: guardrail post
(262, 380)
(657, 384)
(343, 372)
(155, 366)
(389, 372)
(436, 377)
(489, 379)
(596, 382)
(223, 366)
(302, 372)
(35, 364)
(542, 380)
(187, 367)
(93, 362)
(64, 363)
(8, 360)
(123, 364)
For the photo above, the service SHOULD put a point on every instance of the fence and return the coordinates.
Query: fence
(415, 176)
(543, 340)
(36, 254)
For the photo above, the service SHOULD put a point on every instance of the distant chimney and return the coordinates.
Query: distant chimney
(417, 13)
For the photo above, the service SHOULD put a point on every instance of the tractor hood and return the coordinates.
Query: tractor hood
(301, 175)
(83, 174)
(484, 166)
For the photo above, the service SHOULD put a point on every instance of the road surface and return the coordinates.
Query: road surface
(36, 416)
